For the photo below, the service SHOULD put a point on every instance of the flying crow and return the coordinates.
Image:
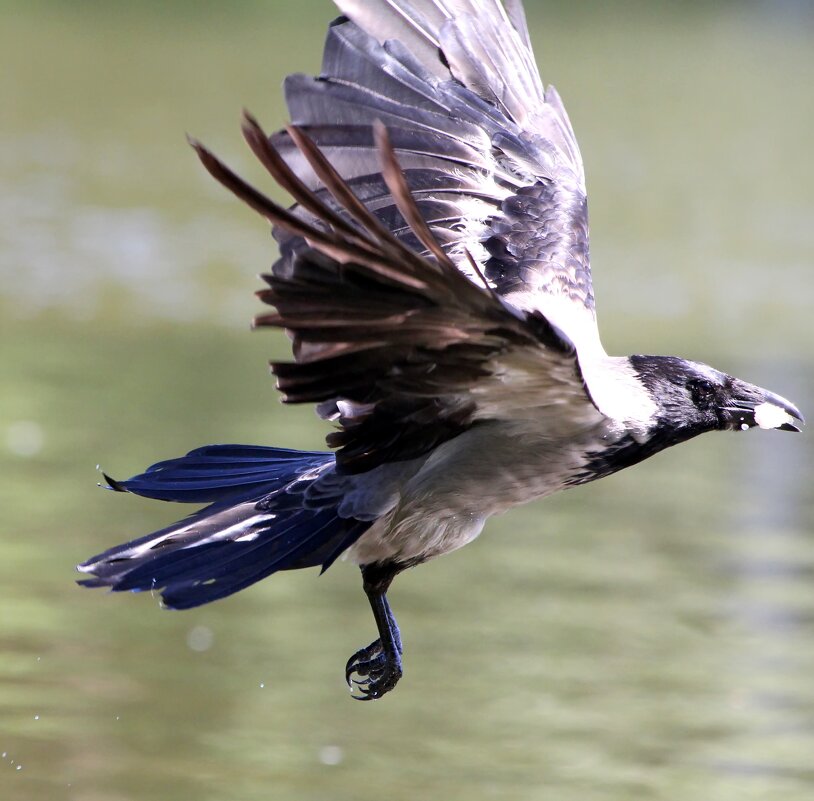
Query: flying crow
(435, 282)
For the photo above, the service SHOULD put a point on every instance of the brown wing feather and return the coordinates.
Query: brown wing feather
(388, 342)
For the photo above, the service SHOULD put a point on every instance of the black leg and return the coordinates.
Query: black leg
(379, 665)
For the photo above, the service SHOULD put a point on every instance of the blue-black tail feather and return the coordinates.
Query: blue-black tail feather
(222, 473)
(258, 523)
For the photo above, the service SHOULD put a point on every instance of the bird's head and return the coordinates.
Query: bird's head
(692, 398)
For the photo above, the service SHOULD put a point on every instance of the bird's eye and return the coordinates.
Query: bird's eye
(702, 393)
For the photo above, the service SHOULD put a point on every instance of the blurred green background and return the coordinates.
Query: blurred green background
(651, 636)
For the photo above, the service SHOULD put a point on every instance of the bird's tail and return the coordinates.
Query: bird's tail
(261, 519)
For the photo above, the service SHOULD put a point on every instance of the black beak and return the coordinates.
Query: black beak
(752, 406)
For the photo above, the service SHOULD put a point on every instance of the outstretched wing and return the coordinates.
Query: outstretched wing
(488, 154)
(401, 349)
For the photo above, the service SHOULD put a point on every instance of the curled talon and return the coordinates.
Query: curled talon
(373, 671)
(364, 662)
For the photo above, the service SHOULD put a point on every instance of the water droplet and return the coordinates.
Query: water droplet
(19, 767)
(262, 685)
(25, 438)
(331, 755)
(36, 717)
(200, 638)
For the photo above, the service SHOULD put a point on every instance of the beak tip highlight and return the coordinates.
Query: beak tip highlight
(777, 412)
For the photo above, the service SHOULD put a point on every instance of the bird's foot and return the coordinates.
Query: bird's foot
(378, 672)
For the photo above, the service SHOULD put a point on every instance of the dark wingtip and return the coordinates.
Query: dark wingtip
(209, 161)
(252, 130)
(249, 119)
(205, 156)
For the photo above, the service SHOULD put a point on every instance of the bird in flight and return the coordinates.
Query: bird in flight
(434, 280)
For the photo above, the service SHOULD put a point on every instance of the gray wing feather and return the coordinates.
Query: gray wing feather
(517, 16)
(489, 154)
(412, 23)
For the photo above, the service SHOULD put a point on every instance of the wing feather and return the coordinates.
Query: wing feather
(476, 134)
(401, 349)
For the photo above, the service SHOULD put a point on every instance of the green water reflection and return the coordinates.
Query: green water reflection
(648, 637)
